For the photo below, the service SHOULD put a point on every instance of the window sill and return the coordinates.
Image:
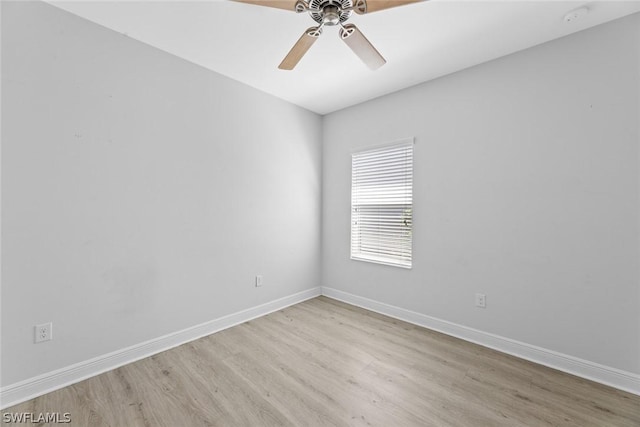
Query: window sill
(381, 261)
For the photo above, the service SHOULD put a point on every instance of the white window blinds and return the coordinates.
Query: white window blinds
(381, 204)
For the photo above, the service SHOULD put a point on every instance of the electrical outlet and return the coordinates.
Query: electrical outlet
(481, 300)
(258, 281)
(43, 332)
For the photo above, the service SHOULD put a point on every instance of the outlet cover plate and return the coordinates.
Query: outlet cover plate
(43, 332)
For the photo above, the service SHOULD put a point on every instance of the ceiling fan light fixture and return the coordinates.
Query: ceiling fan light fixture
(330, 12)
(331, 15)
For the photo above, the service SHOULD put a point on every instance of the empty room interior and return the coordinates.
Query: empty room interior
(325, 212)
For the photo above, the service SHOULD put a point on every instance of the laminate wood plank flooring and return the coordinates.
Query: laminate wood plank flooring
(326, 363)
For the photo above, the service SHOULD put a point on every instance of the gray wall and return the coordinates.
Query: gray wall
(526, 189)
(141, 193)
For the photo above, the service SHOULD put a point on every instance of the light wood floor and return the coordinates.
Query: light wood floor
(325, 363)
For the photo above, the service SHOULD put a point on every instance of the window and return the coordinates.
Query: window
(381, 204)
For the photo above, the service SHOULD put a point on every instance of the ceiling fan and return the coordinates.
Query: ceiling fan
(329, 13)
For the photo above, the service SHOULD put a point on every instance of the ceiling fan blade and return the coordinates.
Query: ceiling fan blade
(367, 6)
(278, 4)
(300, 48)
(362, 47)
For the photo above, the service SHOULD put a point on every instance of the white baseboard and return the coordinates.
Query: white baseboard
(613, 377)
(42, 384)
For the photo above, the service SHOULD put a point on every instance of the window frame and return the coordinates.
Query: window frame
(356, 233)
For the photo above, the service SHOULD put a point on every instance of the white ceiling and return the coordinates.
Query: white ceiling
(420, 41)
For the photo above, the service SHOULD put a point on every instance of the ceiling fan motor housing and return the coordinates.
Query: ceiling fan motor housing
(332, 12)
